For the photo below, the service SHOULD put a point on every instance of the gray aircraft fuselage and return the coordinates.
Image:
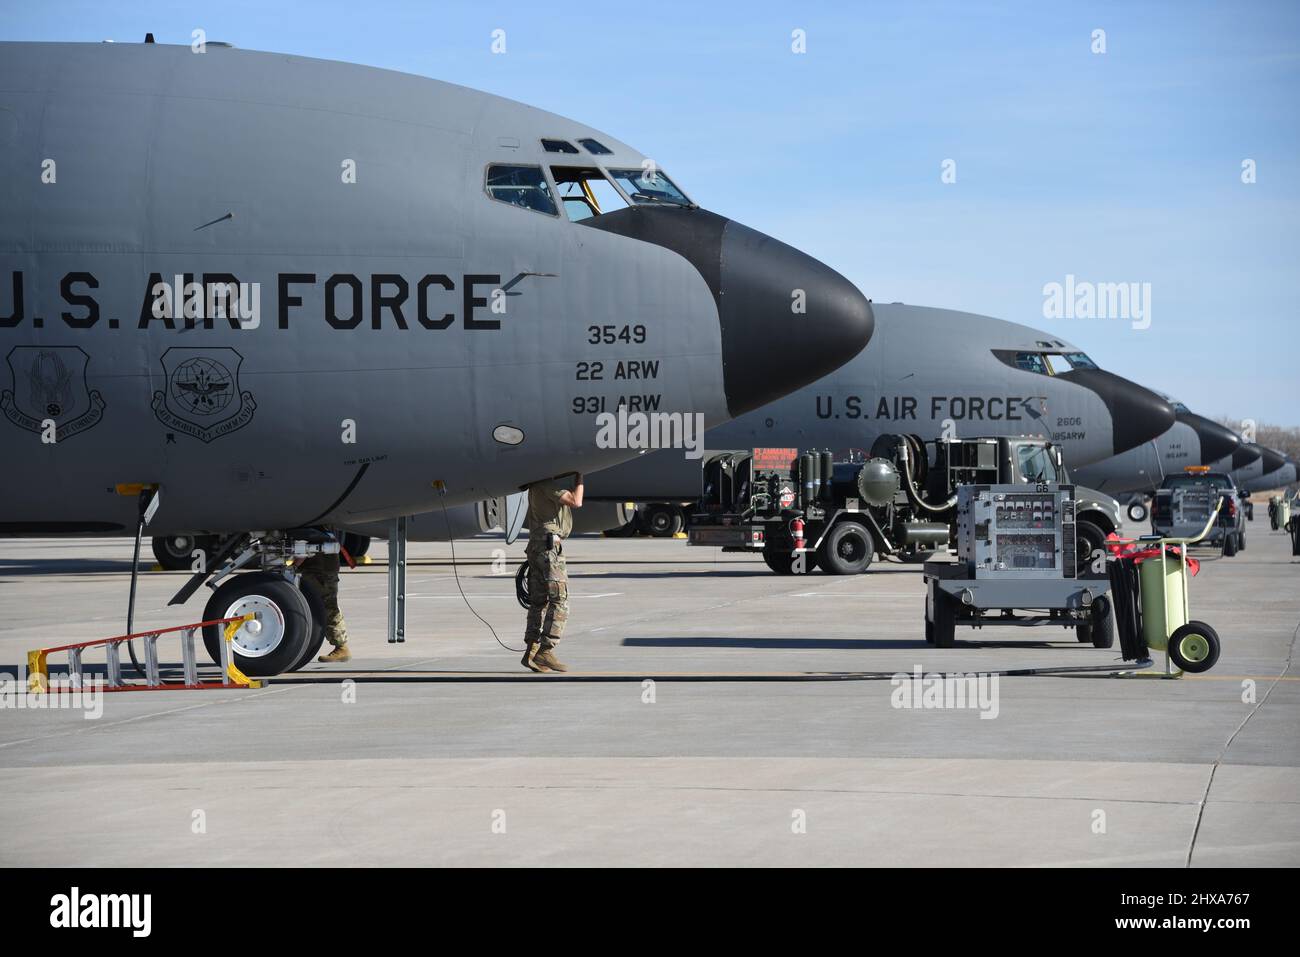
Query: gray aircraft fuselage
(398, 327)
(1192, 440)
(926, 371)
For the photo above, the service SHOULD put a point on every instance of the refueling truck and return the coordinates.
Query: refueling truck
(805, 510)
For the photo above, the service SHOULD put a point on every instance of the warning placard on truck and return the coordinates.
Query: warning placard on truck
(775, 459)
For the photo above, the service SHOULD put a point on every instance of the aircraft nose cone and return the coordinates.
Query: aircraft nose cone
(1272, 460)
(786, 319)
(1245, 455)
(1216, 441)
(1137, 414)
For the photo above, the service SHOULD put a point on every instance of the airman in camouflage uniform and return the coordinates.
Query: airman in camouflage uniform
(322, 571)
(550, 520)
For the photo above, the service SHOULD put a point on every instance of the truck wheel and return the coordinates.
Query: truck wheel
(1241, 541)
(661, 521)
(847, 549)
(272, 643)
(1101, 629)
(1088, 540)
(1230, 544)
(1137, 512)
(945, 619)
(781, 561)
(1194, 647)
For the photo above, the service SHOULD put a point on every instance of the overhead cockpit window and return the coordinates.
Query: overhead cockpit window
(558, 146)
(585, 192)
(595, 147)
(649, 186)
(524, 186)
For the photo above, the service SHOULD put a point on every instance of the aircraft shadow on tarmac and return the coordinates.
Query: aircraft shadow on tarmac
(65, 566)
(827, 644)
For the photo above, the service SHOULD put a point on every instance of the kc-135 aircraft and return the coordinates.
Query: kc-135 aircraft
(930, 372)
(258, 291)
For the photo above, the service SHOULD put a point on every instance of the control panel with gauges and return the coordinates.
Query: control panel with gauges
(1017, 531)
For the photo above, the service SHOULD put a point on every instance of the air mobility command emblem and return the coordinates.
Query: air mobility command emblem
(201, 397)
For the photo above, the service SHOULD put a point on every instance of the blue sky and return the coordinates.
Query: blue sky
(1115, 167)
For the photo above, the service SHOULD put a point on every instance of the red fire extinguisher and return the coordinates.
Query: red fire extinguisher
(797, 528)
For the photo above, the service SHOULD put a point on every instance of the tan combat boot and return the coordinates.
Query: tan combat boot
(545, 657)
(529, 660)
(339, 654)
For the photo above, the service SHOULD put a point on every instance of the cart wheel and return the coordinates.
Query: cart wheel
(1194, 647)
(1102, 630)
(945, 619)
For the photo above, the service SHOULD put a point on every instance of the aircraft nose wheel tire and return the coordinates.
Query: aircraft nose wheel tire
(276, 640)
(176, 552)
(356, 545)
(662, 521)
(1137, 512)
(846, 550)
(1194, 647)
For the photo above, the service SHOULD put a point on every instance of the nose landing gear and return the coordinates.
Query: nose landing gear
(288, 613)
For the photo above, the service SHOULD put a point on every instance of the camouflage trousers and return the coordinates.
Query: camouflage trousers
(322, 573)
(548, 595)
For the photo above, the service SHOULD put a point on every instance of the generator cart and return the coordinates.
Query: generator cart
(1017, 563)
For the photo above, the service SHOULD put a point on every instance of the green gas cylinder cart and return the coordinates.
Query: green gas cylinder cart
(1167, 624)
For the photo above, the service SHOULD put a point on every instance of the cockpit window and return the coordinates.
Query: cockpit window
(1066, 361)
(1035, 464)
(595, 147)
(558, 146)
(585, 191)
(524, 186)
(649, 186)
(1032, 362)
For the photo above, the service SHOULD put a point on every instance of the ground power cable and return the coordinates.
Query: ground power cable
(442, 500)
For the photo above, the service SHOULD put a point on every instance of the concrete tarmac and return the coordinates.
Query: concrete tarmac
(716, 714)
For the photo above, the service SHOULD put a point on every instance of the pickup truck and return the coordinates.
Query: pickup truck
(1184, 503)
